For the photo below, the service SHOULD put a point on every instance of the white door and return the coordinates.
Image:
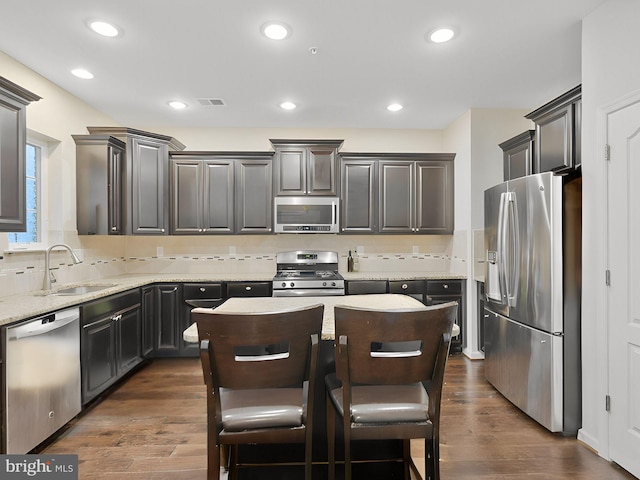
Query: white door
(623, 132)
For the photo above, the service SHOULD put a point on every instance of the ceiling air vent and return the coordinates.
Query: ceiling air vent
(211, 102)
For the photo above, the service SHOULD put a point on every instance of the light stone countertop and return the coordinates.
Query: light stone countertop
(271, 304)
(32, 304)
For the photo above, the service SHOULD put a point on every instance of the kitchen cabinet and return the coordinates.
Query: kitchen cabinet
(110, 341)
(482, 315)
(254, 198)
(145, 198)
(202, 195)
(443, 291)
(365, 287)
(168, 309)
(221, 192)
(416, 196)
(358, 195)
(306, 167)
(249, 289)
(99, 172)
(205, 295)
(148, 309)
(558, 136)
(13, 141)
(518, 154)
(413, 288)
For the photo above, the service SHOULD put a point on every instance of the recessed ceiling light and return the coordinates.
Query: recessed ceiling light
(287, 105)
(275, 31)
(105, 29)
(82, 73)
(441, 35)
(394, 107)
(177, 104)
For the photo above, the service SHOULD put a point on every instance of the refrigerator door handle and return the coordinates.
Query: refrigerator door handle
(501, 248)
(513, 250)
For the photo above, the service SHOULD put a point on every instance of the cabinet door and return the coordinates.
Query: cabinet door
(254, 199)
(115, 159)
(291, 171)
(358, 196)
(321, 171)
(186, 208)
(129, 345)
(218, 196)
(13, 125)
(98, 357)
(517, 156)
(168, 309)
(396, 197)
(149, 162)
(99, 174)
(554, 140)
(434, 197)
(443, 291)
(148, 320)
(12, 165)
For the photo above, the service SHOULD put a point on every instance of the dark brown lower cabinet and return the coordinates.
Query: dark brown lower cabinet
(443, 291)
(110, 341)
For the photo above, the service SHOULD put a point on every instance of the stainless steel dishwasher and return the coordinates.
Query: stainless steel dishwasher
(42, 378)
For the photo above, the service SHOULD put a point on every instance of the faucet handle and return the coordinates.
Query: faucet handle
(52, 277)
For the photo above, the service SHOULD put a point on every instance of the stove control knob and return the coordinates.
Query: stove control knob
(292, 284)
(333, 284)
(284, 284)
(324, 284)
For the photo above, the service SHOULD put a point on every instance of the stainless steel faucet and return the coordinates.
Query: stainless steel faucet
(47, 271)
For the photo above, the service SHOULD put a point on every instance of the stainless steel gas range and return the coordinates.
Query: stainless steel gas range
(307, 273)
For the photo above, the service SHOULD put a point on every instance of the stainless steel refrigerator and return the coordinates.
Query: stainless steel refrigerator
(532, 296)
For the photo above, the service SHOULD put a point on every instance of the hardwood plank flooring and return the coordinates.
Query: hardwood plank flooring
(153, 427)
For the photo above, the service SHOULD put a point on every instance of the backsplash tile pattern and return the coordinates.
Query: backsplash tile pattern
(108, 256)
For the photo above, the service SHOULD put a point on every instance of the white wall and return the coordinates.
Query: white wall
(610, 71)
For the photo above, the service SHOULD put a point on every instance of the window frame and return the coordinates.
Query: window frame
(42, 203)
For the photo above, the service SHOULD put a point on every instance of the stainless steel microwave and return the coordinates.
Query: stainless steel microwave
(306, 214)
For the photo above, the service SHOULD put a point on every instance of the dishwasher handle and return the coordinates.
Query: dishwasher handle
(42, 325)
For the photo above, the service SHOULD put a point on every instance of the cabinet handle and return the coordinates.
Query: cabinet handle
(405, 286)
(202, 289)
(247, 288)
(162, 230)
(113, 229)
(445, 286)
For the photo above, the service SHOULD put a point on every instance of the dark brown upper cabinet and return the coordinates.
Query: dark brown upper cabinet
(518, 154)
(558, 133)
(306, 167)
(13, 143)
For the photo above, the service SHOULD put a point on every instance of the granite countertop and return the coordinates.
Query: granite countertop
(19, 307)
(261, 305)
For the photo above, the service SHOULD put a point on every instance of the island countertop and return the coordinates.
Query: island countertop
(269, 304)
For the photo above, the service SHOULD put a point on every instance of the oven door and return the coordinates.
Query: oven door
(308, 292)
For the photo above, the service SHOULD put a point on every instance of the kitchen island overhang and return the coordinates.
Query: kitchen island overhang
(386, 301)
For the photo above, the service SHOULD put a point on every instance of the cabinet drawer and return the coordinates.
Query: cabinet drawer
(249, 289)
(195, 291)
(444, 287)
(362, 287)
(407, 286)
(111, 304)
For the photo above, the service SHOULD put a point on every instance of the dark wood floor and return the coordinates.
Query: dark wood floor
(153, 427)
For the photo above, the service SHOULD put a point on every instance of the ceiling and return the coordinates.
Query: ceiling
(370, 53)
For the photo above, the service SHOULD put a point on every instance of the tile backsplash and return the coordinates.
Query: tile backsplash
(107, 256)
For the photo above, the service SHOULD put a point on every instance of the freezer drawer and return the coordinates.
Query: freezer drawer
(526, 366)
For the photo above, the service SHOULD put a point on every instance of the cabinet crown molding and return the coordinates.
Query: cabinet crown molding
(20, 94)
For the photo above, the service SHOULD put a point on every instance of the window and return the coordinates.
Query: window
(35, 235)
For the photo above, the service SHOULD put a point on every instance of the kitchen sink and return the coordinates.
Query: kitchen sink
(79, 290)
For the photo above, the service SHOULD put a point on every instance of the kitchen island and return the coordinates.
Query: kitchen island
(361, 450)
